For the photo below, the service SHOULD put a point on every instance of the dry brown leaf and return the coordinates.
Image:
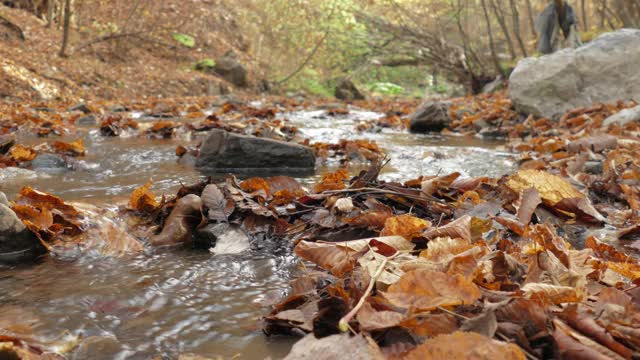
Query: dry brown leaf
(424, 290)
(370, 319)
(573, 345)
(527, 204)
(553, 294)
(407, 226)
(465, 345)
(459, 228)
(339, 260)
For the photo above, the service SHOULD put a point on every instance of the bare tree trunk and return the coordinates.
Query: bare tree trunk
(497, 9)
(532, 22)
(583, 5)
(603, 13)
(67, 23)
(492, 45)
(50, 10)
(516, 27)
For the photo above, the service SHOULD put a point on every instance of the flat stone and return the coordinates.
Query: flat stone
(80, 107)
(16, 242)
(223, 150)
(89, 120)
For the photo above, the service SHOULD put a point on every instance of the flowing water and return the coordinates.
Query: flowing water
(181, 301)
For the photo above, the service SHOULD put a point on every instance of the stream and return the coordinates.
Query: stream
(171, 302)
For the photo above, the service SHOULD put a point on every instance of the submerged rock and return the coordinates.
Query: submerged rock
(605, 70)
(16, 242)
(49, 162)
(88, 120)
(223, 150)
(98, 348)
(179, 227)
(431, 116)
(347, 90)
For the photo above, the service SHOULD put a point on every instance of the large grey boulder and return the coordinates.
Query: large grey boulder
(230, 69)
(16, 242)
(624, 117)
(430, 116)
(223, 151)
(347, 91)
(603, 71)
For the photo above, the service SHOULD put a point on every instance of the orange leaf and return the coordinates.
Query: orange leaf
(22, 153)
(332, 181)
(75, 148)
(407, 226)
(143, 200)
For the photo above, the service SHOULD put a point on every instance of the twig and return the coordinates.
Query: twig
(306, 61)
(343, 325)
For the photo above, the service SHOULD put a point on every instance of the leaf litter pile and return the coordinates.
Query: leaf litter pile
(538, 264)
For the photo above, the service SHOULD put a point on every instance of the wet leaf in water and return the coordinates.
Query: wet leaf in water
(143, 200)
(219, 207)
(75, 148)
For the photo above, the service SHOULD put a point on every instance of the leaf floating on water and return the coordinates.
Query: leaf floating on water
(75, 148)
(143, 200)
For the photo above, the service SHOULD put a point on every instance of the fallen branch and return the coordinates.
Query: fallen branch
(343, 325)
(6, 22)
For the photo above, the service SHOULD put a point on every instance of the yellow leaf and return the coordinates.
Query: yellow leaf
(142, 199)
(407, 226)
(552, 188)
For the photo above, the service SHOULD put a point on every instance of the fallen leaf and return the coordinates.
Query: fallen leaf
(75, 148)
(424, 290)
(142, 199)
(459, 228)
(219, 207)
(22, 153)
(465, 345)
(407, 226)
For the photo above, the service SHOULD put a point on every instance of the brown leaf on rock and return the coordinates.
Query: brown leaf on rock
(407, 226)
(143, 200)
(465, 345)
(424, 290)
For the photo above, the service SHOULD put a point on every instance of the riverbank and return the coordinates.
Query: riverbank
(540, 225)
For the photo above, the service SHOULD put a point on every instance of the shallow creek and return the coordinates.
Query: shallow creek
(181, 301)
